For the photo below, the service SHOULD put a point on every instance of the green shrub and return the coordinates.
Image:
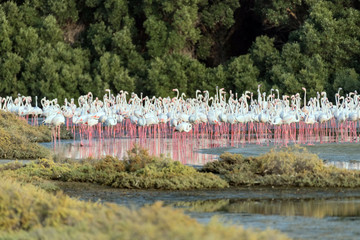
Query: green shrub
(28, 212)
(293, 166)
(18, 138)
(137, 158)
(138, 170)
(290, 161)
(110, 164)
(13, 145)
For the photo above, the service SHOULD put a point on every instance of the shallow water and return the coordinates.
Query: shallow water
(198, 151)
(300, 213)
(181, 149)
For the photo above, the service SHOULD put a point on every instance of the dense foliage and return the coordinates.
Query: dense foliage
(67, 48)
(28, 212)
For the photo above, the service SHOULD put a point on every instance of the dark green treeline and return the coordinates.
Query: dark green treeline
(65, 48)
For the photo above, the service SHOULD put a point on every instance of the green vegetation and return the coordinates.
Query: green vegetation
(138, 170)
(19, 139)
(61, 49)
(13, 124)
(294, 167)
(28, 212)
(290, 167)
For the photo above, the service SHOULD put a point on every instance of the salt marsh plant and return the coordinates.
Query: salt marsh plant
(137, 170)
(18, 139)
(28, 212)
(293, 166)
(14, 145)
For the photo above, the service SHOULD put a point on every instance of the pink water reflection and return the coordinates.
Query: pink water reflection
(185, 149)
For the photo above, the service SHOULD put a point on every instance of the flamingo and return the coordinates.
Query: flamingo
(183, 127)
(235, 116)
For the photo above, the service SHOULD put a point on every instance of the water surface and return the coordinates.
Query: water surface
(198, 151)
(303, 213)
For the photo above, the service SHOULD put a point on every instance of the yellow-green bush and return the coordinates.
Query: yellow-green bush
(110, 164)
(137, 158)
(9, 171)
(13, 145)
(11, 123)
(18, 138)
(28, 212)
(290, 161)
(293, 166)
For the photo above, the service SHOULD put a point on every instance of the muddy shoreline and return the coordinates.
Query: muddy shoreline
(139, 197)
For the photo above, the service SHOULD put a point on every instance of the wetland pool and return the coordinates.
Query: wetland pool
(304, 213)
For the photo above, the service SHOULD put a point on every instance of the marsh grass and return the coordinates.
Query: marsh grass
(9, 171)
(138, 170)
(293, 166)
(12, 123)
(28, 212)
(18, 139)
(14, 145)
